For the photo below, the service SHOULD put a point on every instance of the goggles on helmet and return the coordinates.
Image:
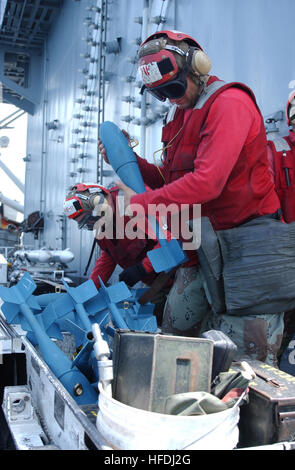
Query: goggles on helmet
(73, 205)
(90, 187)
(161, 75)
(86, 219)
(175, 36)
(172, 90)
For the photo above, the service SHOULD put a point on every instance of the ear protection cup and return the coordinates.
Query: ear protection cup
(100, 204)
(200, 62)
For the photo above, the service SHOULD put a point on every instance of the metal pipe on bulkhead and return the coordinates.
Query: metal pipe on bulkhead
(104, 39)
(10, 203)
(43, 143)
(144, 32)
(12, 176)
(101, 83)
(145, 21)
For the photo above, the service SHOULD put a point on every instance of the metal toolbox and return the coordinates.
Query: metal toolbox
(269, 416)
(149, 367)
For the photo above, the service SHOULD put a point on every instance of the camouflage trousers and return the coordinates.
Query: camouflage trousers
(187, 312)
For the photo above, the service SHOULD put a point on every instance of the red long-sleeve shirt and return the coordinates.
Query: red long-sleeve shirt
(122, 253)
(233, 122)
(105, 266)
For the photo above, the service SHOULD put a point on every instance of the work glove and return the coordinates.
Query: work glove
(133, 274)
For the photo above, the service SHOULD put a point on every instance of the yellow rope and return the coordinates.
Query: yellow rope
(162, 149)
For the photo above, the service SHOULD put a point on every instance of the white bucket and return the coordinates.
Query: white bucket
(127, 428)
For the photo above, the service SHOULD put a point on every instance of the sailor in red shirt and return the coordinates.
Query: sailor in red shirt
(88, 205)
(214, 154)
(281, 154)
